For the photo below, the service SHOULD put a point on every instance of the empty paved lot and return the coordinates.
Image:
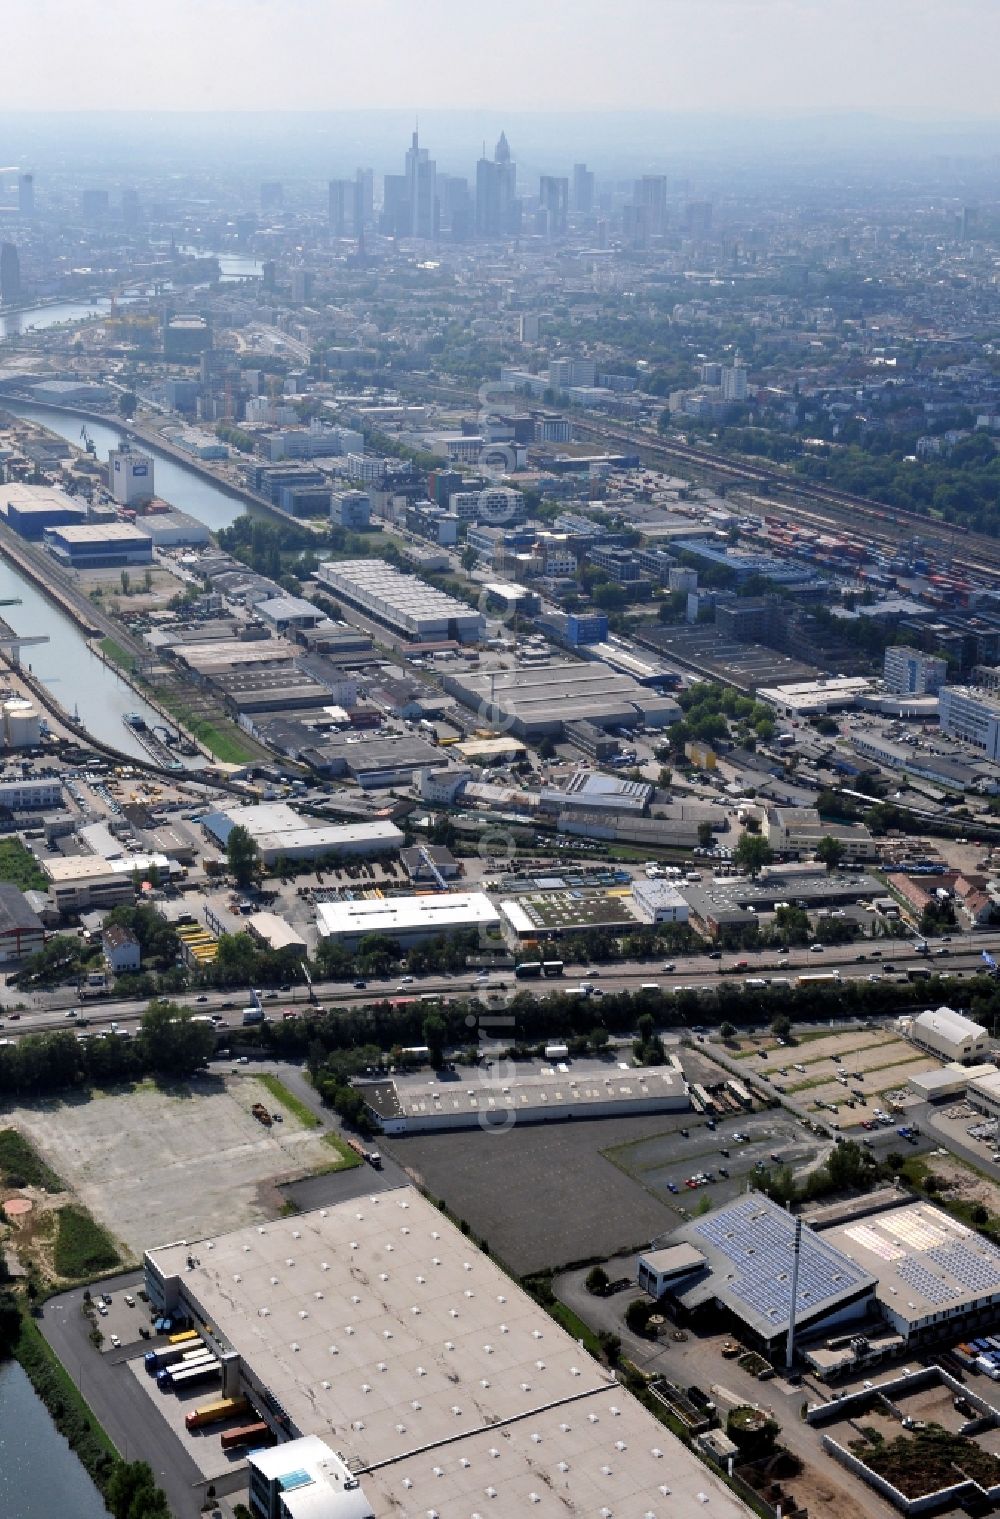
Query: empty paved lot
(542, 1195)
(179, 1163)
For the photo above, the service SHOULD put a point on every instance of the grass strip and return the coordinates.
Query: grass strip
(22, 1166)
(117, 655)
(348, 1158)
(83, 1247)
(575, 1326)
(19, 866)
(69, 1409)
(278, 1090)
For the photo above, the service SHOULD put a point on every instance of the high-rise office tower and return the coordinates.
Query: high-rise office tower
(364, 199)
(10, 275)
(340, 197)
(650, 196)
(130, 208)
(272, 195)
(498, 211)
(455, 206)
(583, 190)
(699, 218)
(553, 200)
(26, 195)
(395, 206)
(94, 204)
(421, 189)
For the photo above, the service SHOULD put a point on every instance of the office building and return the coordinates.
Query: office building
(498, 210)
(586, 628)
(910, 672)
(649, 198)
(10, 275)
(340, 204)
(94, 204)
(130, 209)
(351, 509)
(186, 335)
(972, 715)
(553, 204)
(130, 476)
(421, 191)
(26, 195)
(583, 190)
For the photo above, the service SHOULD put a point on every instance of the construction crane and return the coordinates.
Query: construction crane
(87, 440)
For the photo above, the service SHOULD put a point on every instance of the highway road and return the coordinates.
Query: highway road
(47, 1011)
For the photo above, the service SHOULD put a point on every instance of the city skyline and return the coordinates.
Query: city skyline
(901, 58)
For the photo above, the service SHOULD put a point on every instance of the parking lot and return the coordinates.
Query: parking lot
(667, 1163)
(847, 1071)
(159, 1163)
(542, 1195)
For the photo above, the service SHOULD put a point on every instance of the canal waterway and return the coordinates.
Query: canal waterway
(182, 487)
(40, 1477)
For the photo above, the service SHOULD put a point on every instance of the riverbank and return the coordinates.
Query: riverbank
(40, 1472)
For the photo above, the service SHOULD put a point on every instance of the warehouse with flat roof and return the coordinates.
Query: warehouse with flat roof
(407, 920)
(552, 1092)
(411, 608)
(374, 1326)
(279, 831)
(535, 702)
(931, 1270)
(99, 545)
(30, 509)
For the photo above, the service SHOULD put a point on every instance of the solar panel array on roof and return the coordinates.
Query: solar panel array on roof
(931, 1287)
(979, 1271)
(758, 1238)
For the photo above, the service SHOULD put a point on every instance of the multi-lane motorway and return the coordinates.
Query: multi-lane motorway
(964, 957)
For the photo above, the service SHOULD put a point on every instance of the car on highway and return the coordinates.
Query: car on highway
(202, 998)
(359, 986)
(672, 1186)
(13, 1017)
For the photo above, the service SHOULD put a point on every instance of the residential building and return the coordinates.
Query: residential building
(121, 949)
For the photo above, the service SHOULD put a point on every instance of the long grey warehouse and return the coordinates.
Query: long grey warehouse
(415, 610)
(539, 701)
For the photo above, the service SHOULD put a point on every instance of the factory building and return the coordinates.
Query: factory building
(549, 1093)
(100, 546)
(402, 1372)
(415, 611)
(949, 1035)
(279, 831)
(130, 476)
(536, 702)
(22, 932)
(740, 1262)
(406, 920)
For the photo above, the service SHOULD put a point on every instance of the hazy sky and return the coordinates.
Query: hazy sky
(905, 58)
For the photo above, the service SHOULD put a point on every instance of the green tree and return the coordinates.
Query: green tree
(830, 851)
(597, 1281)
(10, 1323)
(242, 855)
(172, 1042)
(127, 403)
(752, 853)
(728, 1032)
(435, 1032)
(469, 559)
(781, 1027)
(705, 834)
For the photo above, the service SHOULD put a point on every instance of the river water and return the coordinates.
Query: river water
(40, 317)
(40, 1477)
